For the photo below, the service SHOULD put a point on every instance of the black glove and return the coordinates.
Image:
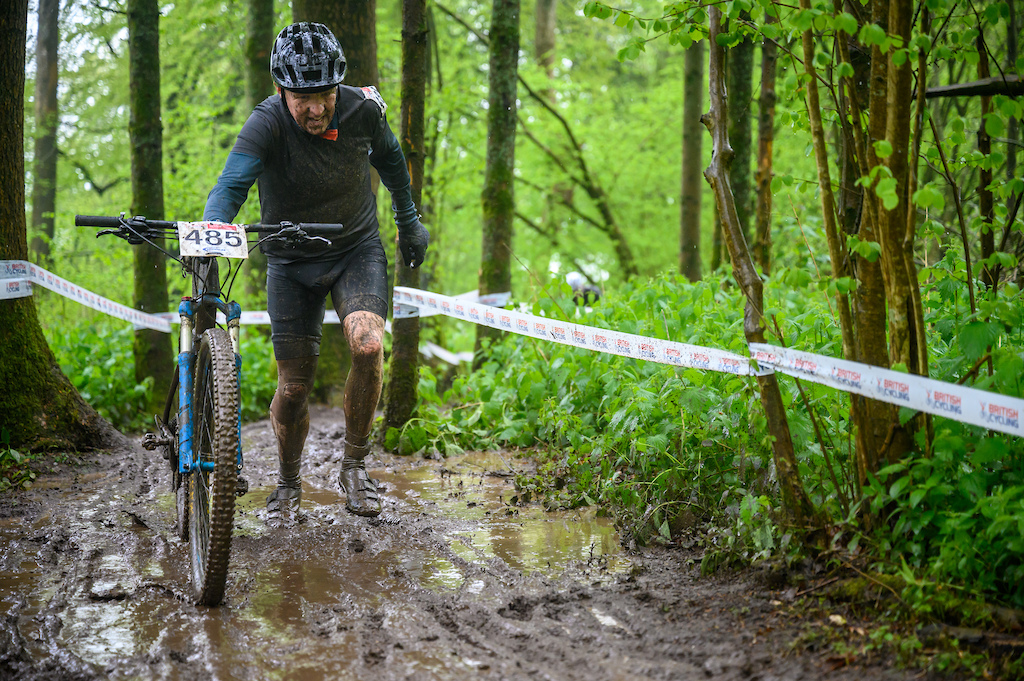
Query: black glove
(412, 241)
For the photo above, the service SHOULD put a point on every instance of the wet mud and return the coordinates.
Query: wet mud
(451, 582)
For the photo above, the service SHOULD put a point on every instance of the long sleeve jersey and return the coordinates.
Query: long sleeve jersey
(307, 178)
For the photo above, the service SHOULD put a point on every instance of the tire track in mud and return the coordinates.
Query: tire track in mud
(95, 585)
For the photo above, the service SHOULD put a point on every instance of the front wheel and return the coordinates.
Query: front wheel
(212, 482)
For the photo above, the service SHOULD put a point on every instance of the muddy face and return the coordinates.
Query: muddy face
(312, 111)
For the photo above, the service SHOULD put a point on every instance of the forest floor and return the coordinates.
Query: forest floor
(452, 582)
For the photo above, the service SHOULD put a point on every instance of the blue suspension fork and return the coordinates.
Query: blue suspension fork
(186, 372)
(187, 456)
(233, 312)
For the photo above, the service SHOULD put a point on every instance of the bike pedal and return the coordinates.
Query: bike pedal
(151, 441)
(241, 487)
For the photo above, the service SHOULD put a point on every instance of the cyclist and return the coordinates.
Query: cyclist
(310, 148)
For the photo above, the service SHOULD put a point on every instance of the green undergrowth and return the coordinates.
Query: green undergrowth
(98, 360)
(683, 455)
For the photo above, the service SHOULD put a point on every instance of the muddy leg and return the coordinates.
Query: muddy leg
(364, 332)
(289, 415)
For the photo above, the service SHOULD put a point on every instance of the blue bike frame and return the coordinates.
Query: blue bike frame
(187, 456)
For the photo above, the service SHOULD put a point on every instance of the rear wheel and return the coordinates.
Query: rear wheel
(211, 484)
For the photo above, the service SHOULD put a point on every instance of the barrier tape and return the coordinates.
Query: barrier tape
(960, 403)
(579, 335)
(957, 402)
(21, 269)
(15, 288)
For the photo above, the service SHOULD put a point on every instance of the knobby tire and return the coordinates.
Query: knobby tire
(212, 494)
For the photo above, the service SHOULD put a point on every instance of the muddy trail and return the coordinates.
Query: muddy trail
(451, 583)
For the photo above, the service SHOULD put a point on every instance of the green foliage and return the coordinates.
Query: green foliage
(98, 361)
(14, 470)
(259, 374)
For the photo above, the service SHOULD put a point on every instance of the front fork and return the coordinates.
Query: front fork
(188, 458)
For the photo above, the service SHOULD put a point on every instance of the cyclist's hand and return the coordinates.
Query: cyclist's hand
(412, 241)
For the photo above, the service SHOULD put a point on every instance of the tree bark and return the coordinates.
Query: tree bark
(44, 175)
(38, 405)
(259, 39)
(498, 193)
(354, 23)
(405, 333)
(765, 144)
(860, 215)
(544, 35)
(794, 498)
(693, 159)
(836, 246)
(153, 355)
(898, 268)
(740, 62)
(986, 206)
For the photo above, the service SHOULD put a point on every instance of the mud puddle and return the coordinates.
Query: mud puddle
(452, 582)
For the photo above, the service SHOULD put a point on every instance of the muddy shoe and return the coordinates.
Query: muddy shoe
(360, 489)
(283, 506)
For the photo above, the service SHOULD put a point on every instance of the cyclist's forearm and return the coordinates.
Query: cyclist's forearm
(388, 159)
(228, 195)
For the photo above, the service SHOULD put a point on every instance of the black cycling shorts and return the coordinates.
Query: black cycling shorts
(297, 292)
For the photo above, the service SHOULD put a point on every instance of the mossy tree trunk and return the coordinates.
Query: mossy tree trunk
(405, 333)
(765, 146)
(740, 73)
(693, 159)
(38, 405)
(259, 39)
(153, 353)
(498, 195)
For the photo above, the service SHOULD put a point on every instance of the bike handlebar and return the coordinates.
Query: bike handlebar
(108, 222)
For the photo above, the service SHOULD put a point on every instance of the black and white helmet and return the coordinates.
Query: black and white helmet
(306, 58)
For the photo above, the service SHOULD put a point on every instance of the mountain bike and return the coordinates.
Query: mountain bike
(199, 430)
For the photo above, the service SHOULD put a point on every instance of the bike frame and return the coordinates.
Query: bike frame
(187, 311)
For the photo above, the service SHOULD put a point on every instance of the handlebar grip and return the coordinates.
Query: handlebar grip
(96, 221)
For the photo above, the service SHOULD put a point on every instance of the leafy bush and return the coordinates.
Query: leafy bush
(98, 360)
(259, 374)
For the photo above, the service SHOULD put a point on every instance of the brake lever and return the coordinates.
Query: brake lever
(293, 236)
(129, 231)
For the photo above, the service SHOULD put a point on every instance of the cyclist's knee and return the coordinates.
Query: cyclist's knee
(365, 332)
(294, 383)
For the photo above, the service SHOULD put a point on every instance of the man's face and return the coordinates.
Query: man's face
(313, 112)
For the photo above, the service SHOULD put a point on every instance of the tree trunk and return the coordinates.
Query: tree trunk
(871, 418)
(986, 206)
(44, 181)
(405, 333)
(836, 246)
(693, 159)
(544, 36)
(259, 38)
(899, 272)
(794, 499)
(765, 143)
(38, 405)
(498, 195)
(153, 355)
(354, 23)
(740, 62)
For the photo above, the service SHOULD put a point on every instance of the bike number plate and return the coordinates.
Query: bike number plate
(206, 239)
